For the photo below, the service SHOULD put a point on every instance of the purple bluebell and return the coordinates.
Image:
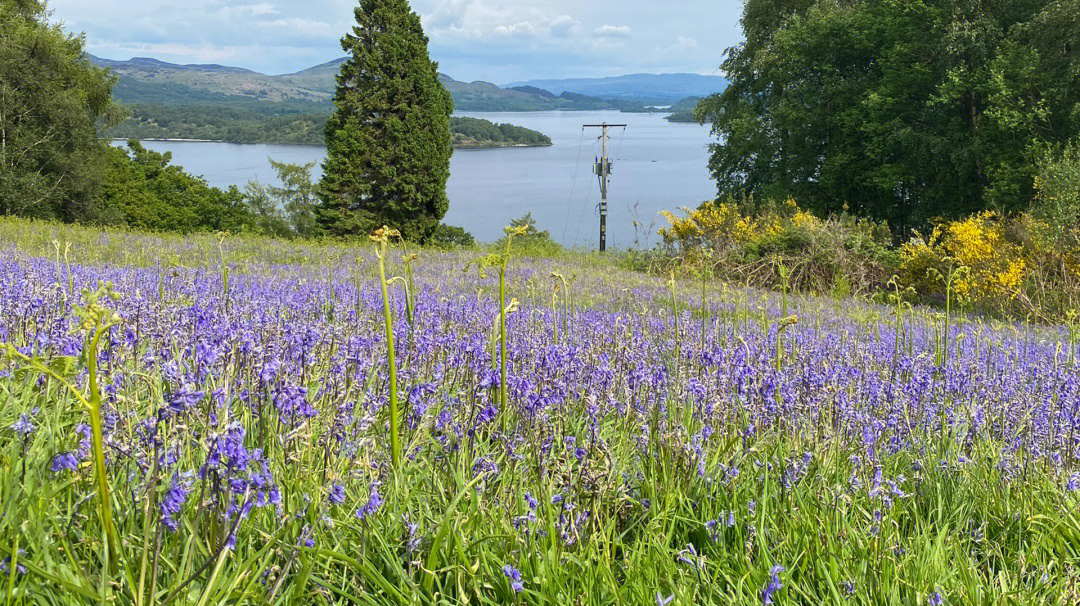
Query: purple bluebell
(514, 575)
(773, 586)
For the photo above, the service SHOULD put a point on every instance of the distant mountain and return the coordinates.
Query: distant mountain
(223, 103)
(150, 81)
(191, 82)
(643, 88)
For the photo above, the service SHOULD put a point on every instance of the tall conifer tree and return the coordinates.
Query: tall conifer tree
(388, 142)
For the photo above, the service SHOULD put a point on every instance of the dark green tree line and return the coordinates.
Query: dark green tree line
(903, 110)
(52, 101)
(142, 190)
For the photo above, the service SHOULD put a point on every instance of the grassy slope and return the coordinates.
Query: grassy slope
(825, 485)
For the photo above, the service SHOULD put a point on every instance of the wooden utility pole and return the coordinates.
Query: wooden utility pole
(602, 170)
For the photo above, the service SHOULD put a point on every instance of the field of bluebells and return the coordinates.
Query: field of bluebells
(204, 421)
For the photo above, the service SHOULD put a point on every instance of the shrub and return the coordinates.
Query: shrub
(533, 242)
(451, 236)
(750, 245)
(995, 263)
(1057, 195)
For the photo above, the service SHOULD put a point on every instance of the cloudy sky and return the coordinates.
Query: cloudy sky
(495, 40)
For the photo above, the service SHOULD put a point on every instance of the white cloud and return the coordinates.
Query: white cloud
(564, 26)
(682, 43)
(525, 28)
(302, 26)
(247, 10)
(494, 40)
(173, 51)
(613, 31)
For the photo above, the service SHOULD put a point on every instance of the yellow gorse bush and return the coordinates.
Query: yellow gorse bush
(996, 264)
(838, 254)
(715, 225)
(1011, 265)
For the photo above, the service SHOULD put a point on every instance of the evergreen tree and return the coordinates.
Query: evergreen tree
(51, 103)
(388, 142)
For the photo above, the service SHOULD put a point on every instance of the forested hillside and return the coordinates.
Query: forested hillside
(258, 125)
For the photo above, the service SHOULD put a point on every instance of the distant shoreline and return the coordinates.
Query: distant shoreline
(462, 148)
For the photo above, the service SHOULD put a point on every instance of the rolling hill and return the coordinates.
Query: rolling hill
(651, 89)
(223, 103)
(144, 81)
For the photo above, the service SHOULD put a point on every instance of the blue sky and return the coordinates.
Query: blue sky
(495, 40)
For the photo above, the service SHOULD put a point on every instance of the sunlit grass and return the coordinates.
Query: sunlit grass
(632, 439)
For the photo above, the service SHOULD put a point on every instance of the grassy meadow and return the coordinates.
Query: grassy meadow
(204, 420)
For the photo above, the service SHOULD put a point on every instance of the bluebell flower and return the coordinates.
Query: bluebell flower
(515, 577)
(23, 426)
(773, 586)
(662, 601)
(184, 399)
(1073, 484)
(375, 501)
(337, 494)
(5, 565)
(172, 502)
(62, 461)
(935, 599)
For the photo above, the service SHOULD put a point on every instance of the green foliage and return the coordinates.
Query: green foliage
(528, 239)
(685, 110)
(289, 210)
(142, 190)
(1057, 201)
(479, 133)
(451, 236)
(388, 143)
(265, 211)
(903, 111)
(51, 100)
(270, 122)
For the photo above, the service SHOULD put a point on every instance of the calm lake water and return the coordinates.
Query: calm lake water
(657, 166)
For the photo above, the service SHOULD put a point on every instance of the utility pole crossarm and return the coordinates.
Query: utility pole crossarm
(603, 171)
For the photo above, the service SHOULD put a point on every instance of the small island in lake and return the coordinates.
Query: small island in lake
(684, 111)
(477, 133)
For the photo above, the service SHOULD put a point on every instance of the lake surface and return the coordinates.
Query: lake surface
(657, 166)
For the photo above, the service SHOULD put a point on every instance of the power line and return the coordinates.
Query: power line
(573, 184)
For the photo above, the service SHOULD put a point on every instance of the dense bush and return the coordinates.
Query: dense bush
(1057, 195)
(754, 246)
(1018, 266)
(141, 189)
(451, 236)
(1008, 266)
(901, 111)
(532, 241)
(51, 101)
